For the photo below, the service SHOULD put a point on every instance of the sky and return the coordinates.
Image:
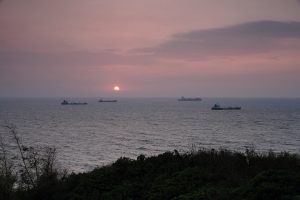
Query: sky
(168, 48)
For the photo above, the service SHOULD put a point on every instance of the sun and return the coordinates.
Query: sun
(116, 88)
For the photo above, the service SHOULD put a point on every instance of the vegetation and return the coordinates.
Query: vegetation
(195, 174)
(32, 173)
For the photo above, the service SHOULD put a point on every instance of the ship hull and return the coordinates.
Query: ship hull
(65, 102)
(73, 103)
(235, 108)
(189, 100)
(107, 101)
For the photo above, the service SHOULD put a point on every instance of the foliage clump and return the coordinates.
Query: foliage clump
(32, 173)
(195, 174)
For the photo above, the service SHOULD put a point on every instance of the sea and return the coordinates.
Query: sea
(97, 134)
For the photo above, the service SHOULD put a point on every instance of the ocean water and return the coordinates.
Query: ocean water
(97, 134)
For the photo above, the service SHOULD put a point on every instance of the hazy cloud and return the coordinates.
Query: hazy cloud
(70, 59)
(248, 38)
(269, 29)
(242, 39)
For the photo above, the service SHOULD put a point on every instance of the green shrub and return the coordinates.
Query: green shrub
(195, 174)
(39, 175)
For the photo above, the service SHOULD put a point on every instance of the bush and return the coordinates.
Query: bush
(195, 174)
(8, 175)
(39, 175)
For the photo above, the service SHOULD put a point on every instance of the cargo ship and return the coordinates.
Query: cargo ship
(101, 100)
(218, 107)
(65, 102)
(189, 99)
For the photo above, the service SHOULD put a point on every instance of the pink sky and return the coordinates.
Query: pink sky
(195, 48)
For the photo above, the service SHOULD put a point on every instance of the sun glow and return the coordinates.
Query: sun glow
(116, 88)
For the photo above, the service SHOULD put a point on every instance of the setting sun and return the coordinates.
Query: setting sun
(116, 88)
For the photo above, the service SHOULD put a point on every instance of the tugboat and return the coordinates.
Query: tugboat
(218, 107)
(107, 100)
(65, 102)
(189, 99)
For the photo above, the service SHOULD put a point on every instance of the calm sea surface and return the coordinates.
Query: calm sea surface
(96, 134)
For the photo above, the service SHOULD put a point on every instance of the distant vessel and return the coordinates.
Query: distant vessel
(218, 107)
(65, 102)
(189, 99)
(107, 100)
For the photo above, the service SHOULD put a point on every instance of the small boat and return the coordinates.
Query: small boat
(218, 107)
(189, 99)
(65, 102)
(101, 100)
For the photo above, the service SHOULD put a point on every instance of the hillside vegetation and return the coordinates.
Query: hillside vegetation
(196, 174)
(201, 174)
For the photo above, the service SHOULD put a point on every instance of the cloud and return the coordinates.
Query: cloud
(243, 39)
(270, 29)
(248, 38)
(70, 59)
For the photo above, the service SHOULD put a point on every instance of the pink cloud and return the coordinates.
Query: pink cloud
(249, 38)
